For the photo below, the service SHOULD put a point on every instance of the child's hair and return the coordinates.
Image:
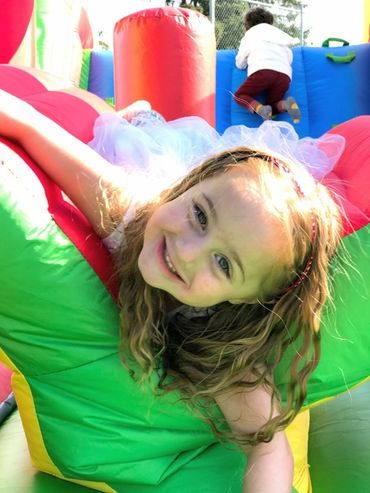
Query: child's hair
(208, 355)
(256, 16)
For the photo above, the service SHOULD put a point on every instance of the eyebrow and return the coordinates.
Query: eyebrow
(233, 253)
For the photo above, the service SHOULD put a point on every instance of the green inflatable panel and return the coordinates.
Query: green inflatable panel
(339, 450)
(17, 474)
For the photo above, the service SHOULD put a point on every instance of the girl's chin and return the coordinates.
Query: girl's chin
(150, 277)
(171, 301)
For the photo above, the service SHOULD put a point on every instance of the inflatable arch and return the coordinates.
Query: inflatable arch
(45, 34)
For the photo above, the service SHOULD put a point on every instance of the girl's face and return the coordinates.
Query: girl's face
(216, 242)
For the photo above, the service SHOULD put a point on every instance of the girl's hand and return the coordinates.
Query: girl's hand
(133, 109)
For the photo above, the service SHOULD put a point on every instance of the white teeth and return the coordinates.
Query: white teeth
(169, 264)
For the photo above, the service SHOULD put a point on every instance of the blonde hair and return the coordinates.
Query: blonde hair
(207, 356)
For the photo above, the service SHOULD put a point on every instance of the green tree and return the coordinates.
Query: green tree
(103, 45)
(229, 14)
(288, 17)
(201, 6)
(229, 19)
(229, 23)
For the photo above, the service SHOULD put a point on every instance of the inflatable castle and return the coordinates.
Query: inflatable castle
(82, 421)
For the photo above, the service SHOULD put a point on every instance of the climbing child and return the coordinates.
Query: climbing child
(220, 271)
(265, 50)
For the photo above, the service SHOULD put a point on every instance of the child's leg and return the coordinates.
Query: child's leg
(292, 108)
(275, 97)
(254, 85)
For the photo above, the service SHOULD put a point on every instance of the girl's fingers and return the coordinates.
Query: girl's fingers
(133, 109)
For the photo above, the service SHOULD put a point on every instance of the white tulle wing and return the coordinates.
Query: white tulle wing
(156, 153)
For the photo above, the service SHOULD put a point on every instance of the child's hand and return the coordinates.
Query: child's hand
(133, 109)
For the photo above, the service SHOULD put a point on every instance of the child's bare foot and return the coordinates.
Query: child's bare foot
(264, 111)
(133, 109)
(293, 109)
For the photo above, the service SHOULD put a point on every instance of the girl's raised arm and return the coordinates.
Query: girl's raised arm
(80, 172)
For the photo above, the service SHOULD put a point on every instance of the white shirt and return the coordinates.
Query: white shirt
(265, 47)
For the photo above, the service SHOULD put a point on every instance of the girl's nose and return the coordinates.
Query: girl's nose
(191, 250)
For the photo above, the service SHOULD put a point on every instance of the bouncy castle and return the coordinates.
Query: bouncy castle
(82, 421)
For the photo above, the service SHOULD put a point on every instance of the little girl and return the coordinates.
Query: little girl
(219, 273)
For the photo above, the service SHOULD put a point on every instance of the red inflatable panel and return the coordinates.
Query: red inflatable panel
(66, 110)
(15, 16)
(85, 31)
(77, 117)
(18, 82)
(167, 56)
(351, 175)
(5, 388)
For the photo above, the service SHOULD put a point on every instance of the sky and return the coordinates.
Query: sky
(335, 18)
(103, 14)
(324, 18)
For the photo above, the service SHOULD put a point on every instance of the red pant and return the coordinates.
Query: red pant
(274, 83)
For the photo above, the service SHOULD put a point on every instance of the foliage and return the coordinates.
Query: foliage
(229, 23)
(103, 45)
(229, 17)
(288, 20)
(201, 6)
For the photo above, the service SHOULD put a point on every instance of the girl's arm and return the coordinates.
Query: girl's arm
(270, 465)
(81, 173)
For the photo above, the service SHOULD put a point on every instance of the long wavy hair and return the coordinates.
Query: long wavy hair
(206, 356)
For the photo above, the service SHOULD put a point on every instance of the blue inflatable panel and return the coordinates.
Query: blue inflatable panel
(229, 78)
(101, 80)
(225, 66)
(328, 92)
(336, 91)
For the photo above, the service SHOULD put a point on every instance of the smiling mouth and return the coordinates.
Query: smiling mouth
(169, 263)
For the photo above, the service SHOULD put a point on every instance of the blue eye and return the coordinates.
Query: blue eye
(224, 265)
(200, 216)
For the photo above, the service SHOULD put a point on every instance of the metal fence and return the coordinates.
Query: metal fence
(227, 17)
